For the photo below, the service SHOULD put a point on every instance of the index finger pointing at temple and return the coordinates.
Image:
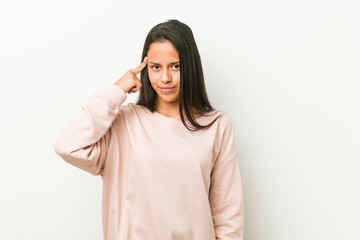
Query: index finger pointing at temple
(139, 68)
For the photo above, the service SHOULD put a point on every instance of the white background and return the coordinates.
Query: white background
(285, 72)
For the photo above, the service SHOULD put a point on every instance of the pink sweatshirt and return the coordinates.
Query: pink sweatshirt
(160, 181)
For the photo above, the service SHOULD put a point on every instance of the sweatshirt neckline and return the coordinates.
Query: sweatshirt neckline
(173, 119)
(177, 120)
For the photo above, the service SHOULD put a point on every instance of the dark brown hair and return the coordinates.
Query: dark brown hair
(192, 87)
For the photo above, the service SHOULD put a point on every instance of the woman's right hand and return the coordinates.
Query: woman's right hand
(129, 82)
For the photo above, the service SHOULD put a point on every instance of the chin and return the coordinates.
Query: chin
(168, 99)
(171, 100)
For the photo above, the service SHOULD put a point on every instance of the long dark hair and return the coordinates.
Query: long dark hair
(192, 87)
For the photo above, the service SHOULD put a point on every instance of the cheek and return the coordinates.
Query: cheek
(176, 77)
(153, 76)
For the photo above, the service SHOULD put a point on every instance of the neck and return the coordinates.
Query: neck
(171, 110)
(168, 109)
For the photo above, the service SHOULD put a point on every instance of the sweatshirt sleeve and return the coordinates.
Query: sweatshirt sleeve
(85, 140)
(225, 195)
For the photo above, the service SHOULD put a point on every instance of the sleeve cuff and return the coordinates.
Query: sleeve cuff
(116, 95)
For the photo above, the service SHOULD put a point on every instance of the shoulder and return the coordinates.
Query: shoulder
(222, 119)
(221, 126)
(135, 108)
(224, 126)
(131, 110)
(222, 130)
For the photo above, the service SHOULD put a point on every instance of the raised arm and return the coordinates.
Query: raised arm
(226, 196)
(85, 140)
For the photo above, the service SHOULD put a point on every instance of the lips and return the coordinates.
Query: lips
(166, 89)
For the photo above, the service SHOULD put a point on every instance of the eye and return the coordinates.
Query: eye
(176, 66)
(155, 67)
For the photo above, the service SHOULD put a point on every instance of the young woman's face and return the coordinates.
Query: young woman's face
(164, 71)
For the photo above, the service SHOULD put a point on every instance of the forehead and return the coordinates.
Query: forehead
(162, 52)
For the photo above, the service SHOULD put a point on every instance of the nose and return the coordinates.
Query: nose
(166, 76)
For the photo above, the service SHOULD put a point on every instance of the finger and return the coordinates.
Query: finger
(139, 68)
(136, 88)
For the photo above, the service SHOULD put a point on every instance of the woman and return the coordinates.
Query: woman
(168, 163)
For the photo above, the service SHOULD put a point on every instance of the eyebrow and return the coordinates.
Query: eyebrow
(160, 64)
